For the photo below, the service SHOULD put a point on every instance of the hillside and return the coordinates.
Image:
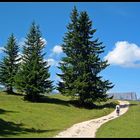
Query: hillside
(126, 126)
(24, 119)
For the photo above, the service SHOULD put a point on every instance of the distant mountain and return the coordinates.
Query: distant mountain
(2, 88)
(124, 96)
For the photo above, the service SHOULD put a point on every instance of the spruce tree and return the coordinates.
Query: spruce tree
(67, 64)
(9, 64)
(33, 76)
(82, 64)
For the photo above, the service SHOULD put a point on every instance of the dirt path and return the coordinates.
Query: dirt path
(88, 128)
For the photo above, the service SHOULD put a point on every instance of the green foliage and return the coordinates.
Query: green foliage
(82, 64)
(33, 76)
(9, 65)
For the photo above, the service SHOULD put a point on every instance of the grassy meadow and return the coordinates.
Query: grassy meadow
(23, 119)
(126, 126)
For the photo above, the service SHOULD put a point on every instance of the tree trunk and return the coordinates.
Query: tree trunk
(10, 90)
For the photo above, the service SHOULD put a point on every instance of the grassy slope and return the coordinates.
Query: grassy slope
(20, 118)
(126, 126)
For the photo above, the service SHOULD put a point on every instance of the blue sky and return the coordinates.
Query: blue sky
(117, 24)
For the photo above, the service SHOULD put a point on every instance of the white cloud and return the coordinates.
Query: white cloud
(19, 57)
(52, 62)
(124, 54)
(1, 49)
(2, 86)
(20, 54)
(44, 41)
(57, 49)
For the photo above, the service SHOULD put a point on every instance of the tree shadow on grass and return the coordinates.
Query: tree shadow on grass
(3, 111)
(9, 128)
(126, 105)
(106, 105)
(75, 103)
(92, 106)
(113, 105)
(13, 93)
(133, 104)
(46, 99)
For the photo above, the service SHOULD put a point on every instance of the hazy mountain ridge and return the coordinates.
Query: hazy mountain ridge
(124, 96)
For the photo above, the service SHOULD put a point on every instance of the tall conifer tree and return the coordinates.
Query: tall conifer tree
(82, 64)
(33, 76)
(9, 64)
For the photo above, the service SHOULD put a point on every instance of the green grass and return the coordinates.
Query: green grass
(19, 118)
(126, 126)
